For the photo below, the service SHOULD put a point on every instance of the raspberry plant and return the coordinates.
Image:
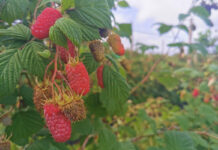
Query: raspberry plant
(63, 71)
(50, 52)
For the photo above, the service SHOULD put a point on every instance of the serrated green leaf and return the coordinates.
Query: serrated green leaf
(71, 29)
(24, 125)
(178, 141)
(31, 60)
(57, 36)
(164, 28)
(89, 33)
(66, 4)
(123, 4)
(10, 69)
(19, 32)
(89, 62)
(13, 10)
(116, 91)
(107, 140)
(94, 105)
(93, 12)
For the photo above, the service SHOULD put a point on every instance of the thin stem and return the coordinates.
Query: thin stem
(86, 141)
(35, 11)
(47, 67)
(145, 79)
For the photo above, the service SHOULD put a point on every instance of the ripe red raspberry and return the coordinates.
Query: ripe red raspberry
(65, 54)
(78, 78)
(48, 17)
(195, 93)
(215, 97)
(100, 76)
(116, 44)
(58, 124)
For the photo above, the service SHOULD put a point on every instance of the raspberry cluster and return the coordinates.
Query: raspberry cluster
(59, 96)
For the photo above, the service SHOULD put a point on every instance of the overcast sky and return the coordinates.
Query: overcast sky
(143, 14)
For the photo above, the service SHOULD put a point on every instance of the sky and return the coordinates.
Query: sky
(144, 14)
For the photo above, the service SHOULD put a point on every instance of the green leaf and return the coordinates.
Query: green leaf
(39, 145)
(46, 144)
(116, 91)
(179, 44)
(164, 28)
(27, 94)
(57, 36)
(123, 4)
(89, 62)
(183, 27)
(71, 29)
(45, 54)
(14, 9)
(125, 30)
(187, 72)
(93, 12)
(200, 47)
(204, 87)
(126, 146)
(10, 69)
(178, 141)
(19, 32)
(198, 140)
(94, 105)
(107, 140)
(183, 16)
(24, 125)
(110, 3)
(89, 33)
(202, 13)
(66, 4)
(32, 61)
(208, 113)
(143, 116)
(8, 100)
(167, 80)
